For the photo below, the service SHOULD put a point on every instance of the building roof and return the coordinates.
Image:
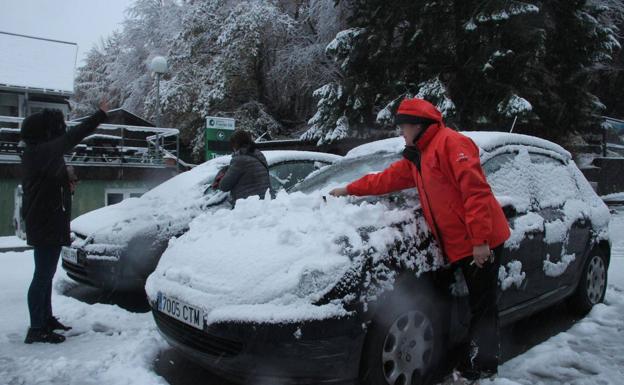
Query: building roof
(33, 63)
(122, 116)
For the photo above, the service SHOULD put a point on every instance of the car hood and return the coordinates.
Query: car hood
(273, 260)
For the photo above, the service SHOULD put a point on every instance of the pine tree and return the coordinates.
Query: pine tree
(484, 64)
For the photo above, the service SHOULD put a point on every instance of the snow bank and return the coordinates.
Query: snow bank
(271, 260)
(12, 242)
(107, 345)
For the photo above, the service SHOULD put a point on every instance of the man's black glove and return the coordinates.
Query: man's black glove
(412, 154)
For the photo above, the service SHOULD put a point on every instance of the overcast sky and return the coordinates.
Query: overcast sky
(79, 21)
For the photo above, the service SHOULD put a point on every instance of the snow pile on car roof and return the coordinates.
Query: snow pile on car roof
(485, 140)
(271, 260)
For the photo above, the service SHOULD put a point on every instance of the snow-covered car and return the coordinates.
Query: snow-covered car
(116, 247)
(314, 289)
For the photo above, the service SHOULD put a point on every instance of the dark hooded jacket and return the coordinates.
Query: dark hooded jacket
(247, 175)
(46, 204)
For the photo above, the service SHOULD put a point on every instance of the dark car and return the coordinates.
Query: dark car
(116, 247)
(374, 302)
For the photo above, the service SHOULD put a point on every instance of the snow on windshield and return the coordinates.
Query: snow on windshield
(346, 171)
(270, 260)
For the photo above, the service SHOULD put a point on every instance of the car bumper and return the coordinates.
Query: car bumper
(311, 352)
(106, 274)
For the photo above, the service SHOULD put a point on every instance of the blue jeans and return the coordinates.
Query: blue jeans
(40, 291)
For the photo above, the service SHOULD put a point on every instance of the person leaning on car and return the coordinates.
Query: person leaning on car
(46, 207)
(248, 172)
(461, 211)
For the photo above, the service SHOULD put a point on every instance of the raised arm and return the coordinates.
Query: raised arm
(76, 134)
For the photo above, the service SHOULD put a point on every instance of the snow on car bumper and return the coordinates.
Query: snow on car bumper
(311, 352)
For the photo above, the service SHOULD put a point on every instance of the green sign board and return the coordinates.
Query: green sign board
(217, 137)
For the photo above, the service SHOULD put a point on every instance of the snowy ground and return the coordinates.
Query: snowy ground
(12, 242)
(110, 345)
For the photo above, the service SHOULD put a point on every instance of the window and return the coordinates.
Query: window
(9, 105)
(114, 196)
(553, 181)
(510, 178)
(289, 174)
(495, 163)
(40, 106)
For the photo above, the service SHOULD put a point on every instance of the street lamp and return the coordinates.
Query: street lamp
(159, 66)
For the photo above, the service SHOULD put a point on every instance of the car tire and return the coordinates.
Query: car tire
(592, 285)
(405, 341)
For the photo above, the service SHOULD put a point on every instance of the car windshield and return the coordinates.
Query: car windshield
(346, 171)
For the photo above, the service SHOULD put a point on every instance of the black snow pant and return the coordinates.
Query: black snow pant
(40, 291)
(481, 352)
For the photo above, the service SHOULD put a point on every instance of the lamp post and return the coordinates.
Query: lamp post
(159, 66)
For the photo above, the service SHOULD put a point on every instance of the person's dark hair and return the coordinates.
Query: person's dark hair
(43, 126)
(242, 139)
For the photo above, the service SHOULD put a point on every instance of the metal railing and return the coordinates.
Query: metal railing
(111, 144)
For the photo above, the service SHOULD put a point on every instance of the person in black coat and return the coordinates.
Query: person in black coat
(46, 207)
(248, 172)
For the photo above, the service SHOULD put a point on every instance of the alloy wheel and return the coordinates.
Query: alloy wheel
(596, 279)
(407, 349)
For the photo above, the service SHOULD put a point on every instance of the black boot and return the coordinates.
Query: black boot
(55, 324)
(43, 335)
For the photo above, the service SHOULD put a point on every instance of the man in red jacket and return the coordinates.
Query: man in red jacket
(461, 212)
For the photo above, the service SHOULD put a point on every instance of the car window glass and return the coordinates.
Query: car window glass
(276, 184)
(495, 163)
(290, 173)
(509, 177)
(553, 181)
(347, 170)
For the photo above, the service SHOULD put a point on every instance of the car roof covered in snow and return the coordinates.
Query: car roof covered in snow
(276, 156)
(487, 141)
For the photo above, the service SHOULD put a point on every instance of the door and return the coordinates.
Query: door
(566, 226)
(521, 259)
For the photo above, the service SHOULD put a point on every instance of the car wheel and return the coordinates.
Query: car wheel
(404, 343)
(593, 284)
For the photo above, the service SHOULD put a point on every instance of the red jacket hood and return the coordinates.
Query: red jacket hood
(420, 108)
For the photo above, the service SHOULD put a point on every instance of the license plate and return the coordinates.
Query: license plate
(69, 254)
(181, 311)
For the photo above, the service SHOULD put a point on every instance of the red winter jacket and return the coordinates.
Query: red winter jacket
(457, 201)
